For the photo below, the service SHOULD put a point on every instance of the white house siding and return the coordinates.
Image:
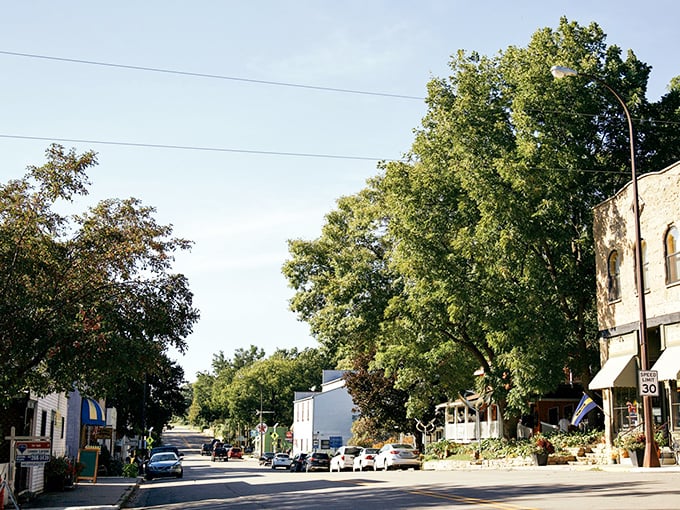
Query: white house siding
(333, 414)
(320, 415)
(50, 417)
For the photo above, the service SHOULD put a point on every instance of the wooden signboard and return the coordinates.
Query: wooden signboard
(89, 458)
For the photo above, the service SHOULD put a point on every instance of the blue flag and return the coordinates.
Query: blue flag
(584, 407)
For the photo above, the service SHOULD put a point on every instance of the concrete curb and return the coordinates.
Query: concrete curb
(127, 494)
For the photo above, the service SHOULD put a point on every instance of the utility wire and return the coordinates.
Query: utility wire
(270, 82)
(265, 153)
(212, 76)
(195, 148)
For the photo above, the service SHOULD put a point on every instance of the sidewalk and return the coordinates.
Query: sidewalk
(109, 492)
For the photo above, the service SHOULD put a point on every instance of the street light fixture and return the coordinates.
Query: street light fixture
(651, 457)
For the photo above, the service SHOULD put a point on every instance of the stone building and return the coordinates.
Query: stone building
(617, 299)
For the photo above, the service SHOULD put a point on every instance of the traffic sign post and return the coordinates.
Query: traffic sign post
(649, 383)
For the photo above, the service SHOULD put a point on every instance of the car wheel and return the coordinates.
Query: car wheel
(180, 475)
(149, 477)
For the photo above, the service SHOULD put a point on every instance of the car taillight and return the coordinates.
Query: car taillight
(394, 452)
(342, 457)
(416, 452)
(369, 457)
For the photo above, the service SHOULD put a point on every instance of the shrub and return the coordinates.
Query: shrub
(631, 441)
(130, 470)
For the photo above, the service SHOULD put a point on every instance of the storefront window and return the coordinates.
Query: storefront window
(627, 409)
(675, 406)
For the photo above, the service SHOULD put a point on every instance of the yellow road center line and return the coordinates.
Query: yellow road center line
(463, 499)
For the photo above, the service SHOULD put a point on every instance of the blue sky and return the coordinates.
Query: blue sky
(240, 208)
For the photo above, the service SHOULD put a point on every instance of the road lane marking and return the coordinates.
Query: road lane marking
(476, 501)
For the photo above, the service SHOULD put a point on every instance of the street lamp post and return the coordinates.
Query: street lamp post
(651, 456)
(261, 425)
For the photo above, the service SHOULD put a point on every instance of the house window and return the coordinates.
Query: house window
(672, 256)
(614, 276)
(43, 423)
(645, 267)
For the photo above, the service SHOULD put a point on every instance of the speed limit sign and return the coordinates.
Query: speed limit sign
(649, 383)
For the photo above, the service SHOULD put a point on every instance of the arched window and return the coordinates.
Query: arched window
(613, 276)
(672, 256)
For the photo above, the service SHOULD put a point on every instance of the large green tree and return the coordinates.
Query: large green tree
(230, 397)
(86, 300)
(488, 223)
(151, 401)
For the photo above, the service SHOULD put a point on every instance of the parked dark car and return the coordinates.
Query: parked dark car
(298, 462)
(164, 464)
(206, 449)
(266, 458)
(317, 461)
(165, 449)
(220, 452)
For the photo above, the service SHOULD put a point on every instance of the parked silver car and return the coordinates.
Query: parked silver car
(397, 455)
(164, 464)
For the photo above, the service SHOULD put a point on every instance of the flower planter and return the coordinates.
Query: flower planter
(541, 459)
(637, 457)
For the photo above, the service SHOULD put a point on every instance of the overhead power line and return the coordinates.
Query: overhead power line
(212, 76)
(271, 82)
(263, 152)
(195, 148)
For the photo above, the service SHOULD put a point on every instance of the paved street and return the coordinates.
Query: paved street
(243, 484)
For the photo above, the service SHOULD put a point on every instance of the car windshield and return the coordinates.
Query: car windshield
(163, 457)
(352, 451)
(282, 455)
(402, 446)
(319, 455)
(370, 451)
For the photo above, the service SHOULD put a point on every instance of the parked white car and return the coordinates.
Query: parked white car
(344, 458)
(281, 460)
(365, 459)
(397, 455)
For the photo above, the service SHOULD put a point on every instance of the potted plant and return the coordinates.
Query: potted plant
(633, 443)
(61, 472)
(541, 448)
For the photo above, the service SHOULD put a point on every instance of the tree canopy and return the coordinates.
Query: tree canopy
(230, 397)
(86, 300)
(476, 251)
